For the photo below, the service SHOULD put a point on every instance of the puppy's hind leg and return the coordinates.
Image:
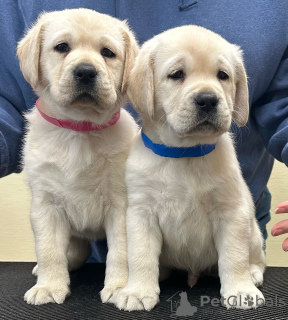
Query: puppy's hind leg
(257, 259)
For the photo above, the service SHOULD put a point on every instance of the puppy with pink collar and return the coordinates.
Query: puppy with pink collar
(77, 141)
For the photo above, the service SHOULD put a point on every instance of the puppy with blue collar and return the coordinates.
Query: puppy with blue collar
(189, 207)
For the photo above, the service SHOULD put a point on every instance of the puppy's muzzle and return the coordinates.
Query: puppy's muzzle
(85, 74)
(206, 102)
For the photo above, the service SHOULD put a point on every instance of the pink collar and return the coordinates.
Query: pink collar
(78, 125)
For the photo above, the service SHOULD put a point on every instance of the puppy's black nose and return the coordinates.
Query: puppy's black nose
(206, 101)
(85, 74)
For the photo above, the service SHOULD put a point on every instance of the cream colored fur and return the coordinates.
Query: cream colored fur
(189, 213)
(77, 178)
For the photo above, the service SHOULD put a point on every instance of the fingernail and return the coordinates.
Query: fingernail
(280, 210)
(277, 232)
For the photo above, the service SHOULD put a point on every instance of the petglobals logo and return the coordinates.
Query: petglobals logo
(180, 306)
(234, 301)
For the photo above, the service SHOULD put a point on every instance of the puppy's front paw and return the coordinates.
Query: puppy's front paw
(131, 299)
(243, 298)
(45, 294)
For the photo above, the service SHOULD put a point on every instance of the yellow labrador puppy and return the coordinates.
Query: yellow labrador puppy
(188, 205)
(77, 142)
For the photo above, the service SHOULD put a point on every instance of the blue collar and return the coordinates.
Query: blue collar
(175, 152)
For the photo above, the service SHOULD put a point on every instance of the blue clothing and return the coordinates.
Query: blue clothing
(259, 27)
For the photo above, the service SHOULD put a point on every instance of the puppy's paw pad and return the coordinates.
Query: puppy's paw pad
(38, 295)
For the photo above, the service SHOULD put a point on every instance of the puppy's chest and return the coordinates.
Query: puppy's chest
(85, 196)
(183, 202)
(187, 191)
(78, 173)
(185, 206)
(185, 220)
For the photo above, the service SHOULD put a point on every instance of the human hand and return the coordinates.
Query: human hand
(282, 226)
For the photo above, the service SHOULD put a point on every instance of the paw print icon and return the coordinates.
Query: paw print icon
(249, 301)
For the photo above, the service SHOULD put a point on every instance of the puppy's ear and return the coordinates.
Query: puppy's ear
(28, 51)
(141, 84)
(131, 52)
(241, 104)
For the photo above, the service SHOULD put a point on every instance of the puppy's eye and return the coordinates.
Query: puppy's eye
(62, 48)
(176, 75)
(221, 75)
(105, 52)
